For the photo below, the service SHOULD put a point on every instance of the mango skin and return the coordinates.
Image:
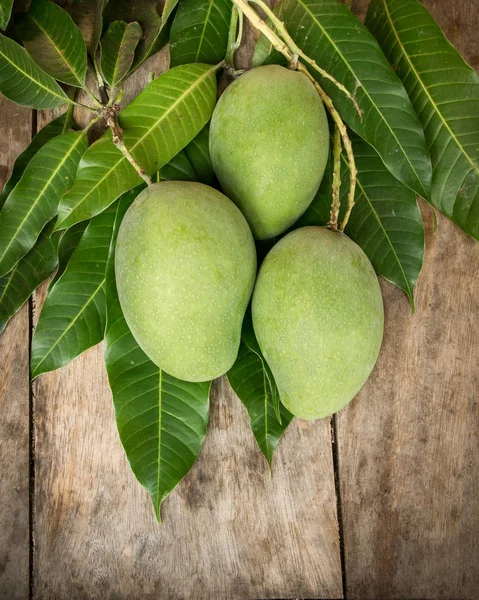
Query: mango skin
(269, 145)
(185, 267)
(318, 318)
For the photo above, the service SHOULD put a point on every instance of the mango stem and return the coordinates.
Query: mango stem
(110, 115)
(336, 204)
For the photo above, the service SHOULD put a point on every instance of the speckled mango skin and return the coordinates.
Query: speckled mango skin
(269, 145)
(185, 268)
(318, 317)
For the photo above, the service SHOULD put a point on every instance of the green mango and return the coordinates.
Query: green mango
(185, 267)
(318, 318)
(269, 145)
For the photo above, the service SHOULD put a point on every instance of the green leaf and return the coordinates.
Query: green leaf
(5, 12)
(34, 200)
(144, 12)
(66, 246)
(330, 34)
(252, 381)
(264, 52)
(103, 175)
(198, 153)
(22, 81)
(199, 32)
(74, 314)
(161, 121)
(117, 50)
(45, 134)
(88, 15)
(54, 42)
(178, 169)
(161, 420)
(445, 93)
(385, 221)
(18, 285)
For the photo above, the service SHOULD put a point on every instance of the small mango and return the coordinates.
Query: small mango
(318, 318)
(185, 267)
(269, 145)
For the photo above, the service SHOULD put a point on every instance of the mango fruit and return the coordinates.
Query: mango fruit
(318, 318)
(269, 145)
(185, 267)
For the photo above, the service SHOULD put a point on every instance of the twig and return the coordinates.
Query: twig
(336, 204)
(234, 36)
(296, 50)
(110, 115)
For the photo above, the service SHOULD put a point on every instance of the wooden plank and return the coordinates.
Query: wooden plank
(408, 445)
(230, 531)
(15, 128)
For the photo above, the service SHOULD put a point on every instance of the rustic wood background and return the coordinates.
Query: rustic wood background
(381, 503)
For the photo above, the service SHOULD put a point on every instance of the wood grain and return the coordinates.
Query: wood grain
(408, 444)
(229, 531)
(15, 126)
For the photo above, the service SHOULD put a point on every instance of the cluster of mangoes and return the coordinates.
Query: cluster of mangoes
(186, 263)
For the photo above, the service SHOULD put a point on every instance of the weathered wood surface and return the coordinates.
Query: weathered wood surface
(15, 128)
(409, 445)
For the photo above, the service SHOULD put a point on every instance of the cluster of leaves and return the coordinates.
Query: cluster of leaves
(62, 207)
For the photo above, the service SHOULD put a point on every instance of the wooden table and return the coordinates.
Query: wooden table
(382, 502)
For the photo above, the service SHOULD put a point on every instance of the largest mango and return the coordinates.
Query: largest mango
(318, 318)
(185, 267)
(269, 144)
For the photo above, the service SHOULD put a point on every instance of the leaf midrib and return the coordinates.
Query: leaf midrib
(202, 37)
(42, 193)
(158, 480)
(364, 90)
(266, 397)
(64, 97)
(80, 312)
(62, 58)
(435, 106)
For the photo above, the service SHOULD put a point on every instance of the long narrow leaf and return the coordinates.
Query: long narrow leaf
(18, 285)
(5, 12)
(74, 314)
(117, 50)
(161, 420)
(22, 81)
(329, 33)
(161, 121)
(445, 93)
(34, 200)
(47, 133)
(385, 222)
(199, 32)
(54, 42)
(144, 12)
(253, 383)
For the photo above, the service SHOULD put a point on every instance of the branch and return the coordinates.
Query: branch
(110, 115)
(336, 204)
